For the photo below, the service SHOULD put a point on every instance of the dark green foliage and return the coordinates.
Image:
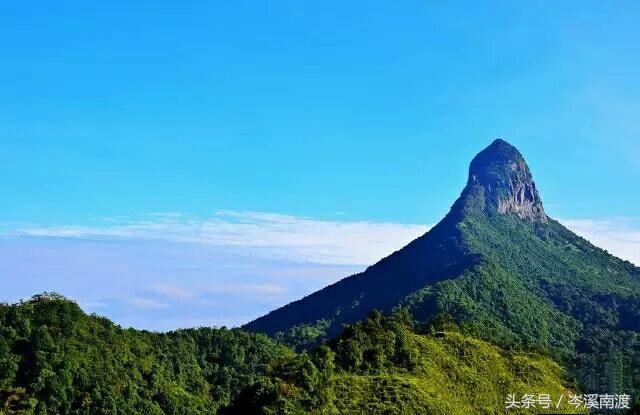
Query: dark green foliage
(55, 359)
(375, 345)
(304, 335)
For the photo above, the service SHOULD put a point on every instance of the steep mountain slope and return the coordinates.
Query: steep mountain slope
(506, 271)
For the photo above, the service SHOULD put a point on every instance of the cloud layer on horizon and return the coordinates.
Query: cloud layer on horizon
(270, 235)
(165, 271)
(620, 236)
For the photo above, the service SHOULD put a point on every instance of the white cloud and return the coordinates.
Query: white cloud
(300, 239)
(93, 305)
(225, 270)
(269, 290)
(173, 291)
(146, 303)
(619, 236)
(199, 291)
(269, 235)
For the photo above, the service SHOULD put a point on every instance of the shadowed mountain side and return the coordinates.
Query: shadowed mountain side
(499, 180)
(430, 258)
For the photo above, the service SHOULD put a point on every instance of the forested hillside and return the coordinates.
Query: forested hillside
(544, 287)
(382, 365)
(54, 359)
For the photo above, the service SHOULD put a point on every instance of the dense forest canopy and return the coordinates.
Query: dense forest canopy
(55, 359)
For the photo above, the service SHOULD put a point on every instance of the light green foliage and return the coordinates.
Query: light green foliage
(382, 366)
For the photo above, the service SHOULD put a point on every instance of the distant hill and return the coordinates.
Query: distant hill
(506, 271)
(55, 359)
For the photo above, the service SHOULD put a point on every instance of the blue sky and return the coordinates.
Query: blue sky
(146, 147)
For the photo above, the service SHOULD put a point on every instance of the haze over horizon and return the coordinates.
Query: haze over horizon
(172, 167)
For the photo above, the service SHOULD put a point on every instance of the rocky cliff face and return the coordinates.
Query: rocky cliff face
(500, 177)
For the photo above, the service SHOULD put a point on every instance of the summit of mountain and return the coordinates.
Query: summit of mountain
(503, 268)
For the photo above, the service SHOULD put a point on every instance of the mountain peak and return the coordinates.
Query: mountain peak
(501, 176)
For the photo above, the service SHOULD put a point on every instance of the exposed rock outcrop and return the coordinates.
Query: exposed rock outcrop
(501, 176)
